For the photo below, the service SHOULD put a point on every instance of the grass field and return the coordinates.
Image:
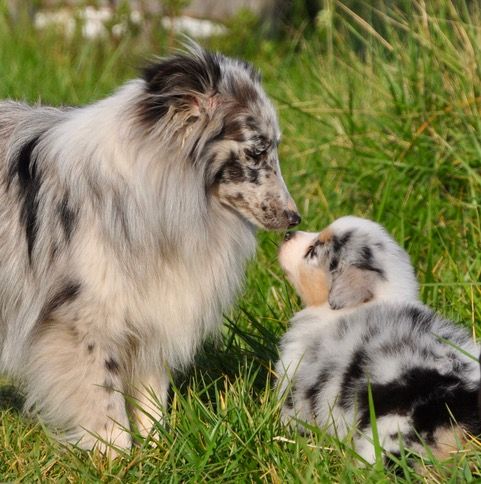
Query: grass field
(381, 118)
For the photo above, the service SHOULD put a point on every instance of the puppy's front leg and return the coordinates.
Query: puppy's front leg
(150, 403)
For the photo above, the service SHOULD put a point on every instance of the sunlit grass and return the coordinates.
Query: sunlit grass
(377, 122)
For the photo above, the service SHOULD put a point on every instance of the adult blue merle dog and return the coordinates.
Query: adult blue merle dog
(125, 227)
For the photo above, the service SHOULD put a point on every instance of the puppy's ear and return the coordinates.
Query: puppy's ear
(351, 287)
(188, 82)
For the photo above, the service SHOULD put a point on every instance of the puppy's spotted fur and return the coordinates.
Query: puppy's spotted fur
(125, 227)
(364, 325)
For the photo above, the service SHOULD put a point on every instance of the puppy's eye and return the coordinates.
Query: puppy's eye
(311, 252)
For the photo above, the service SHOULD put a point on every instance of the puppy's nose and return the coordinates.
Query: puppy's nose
(289, 235)
(293, 218)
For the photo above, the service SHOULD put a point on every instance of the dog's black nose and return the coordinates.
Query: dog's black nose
(293, 218)
(289, 235)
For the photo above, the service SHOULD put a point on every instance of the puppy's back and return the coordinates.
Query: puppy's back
(419, 367)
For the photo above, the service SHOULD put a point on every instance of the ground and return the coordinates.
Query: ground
(380, 118)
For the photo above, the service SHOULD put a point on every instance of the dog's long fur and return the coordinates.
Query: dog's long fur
(125, 227)
(365, 326)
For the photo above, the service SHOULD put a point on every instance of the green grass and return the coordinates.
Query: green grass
(382, 122)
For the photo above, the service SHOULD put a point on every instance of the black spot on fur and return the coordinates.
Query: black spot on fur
(427, 353)
(420, 318)
(351, 378)
(289, 402)
(193, 151)
(176, 79)
(254, 74)
(253, 176)
(120, 215)
(454, 403)
(233, 130)
(366, 253)
(251, 123)
(430, 398)
(68, 293)
(339, 242)
(68, 217)
(333, 264)
(244, 92)
(90, 347)
(313, 392)
(391, 348)
(371, 331)
(366, 261)
(26, 170)
(231, 171)
(112, 365)
(108, 385)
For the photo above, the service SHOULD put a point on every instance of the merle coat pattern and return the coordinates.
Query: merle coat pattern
(364, 325)
(125, 227)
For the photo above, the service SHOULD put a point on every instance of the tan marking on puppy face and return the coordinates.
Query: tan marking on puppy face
(313, 286)
(325, 236)
(310, 281)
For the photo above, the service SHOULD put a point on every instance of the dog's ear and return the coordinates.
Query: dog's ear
(187, 82)
(351, 286)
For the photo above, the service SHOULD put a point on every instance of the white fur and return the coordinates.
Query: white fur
(135, 255)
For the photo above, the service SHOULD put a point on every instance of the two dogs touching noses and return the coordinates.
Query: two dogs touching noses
(125, 229)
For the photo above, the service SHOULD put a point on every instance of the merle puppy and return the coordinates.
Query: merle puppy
(364, 326)
(125, 227)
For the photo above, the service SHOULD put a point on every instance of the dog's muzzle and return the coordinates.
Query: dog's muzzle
(293, 218)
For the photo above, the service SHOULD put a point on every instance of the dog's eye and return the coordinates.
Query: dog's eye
(257, 153)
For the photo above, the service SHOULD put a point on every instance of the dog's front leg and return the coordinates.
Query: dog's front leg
(150, 400)
(75, 382)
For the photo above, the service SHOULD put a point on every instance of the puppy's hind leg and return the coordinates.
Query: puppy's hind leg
(75, 385)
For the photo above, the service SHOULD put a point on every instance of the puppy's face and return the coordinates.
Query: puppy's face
(342, 265)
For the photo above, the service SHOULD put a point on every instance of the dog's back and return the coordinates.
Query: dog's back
(11, 114)
(19, 121)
